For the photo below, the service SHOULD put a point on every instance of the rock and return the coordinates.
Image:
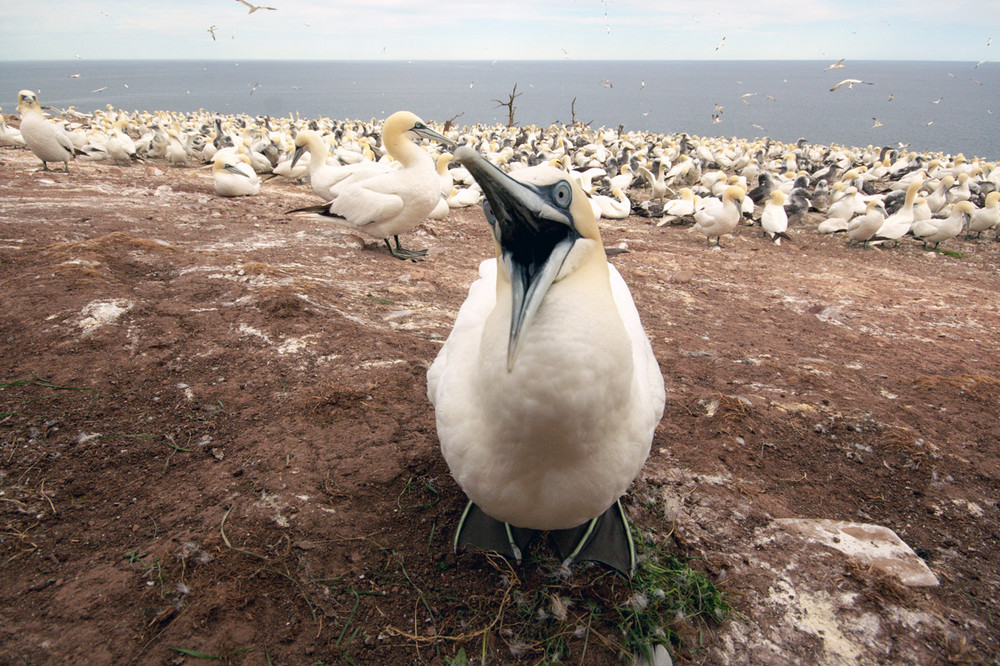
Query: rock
(871, 545)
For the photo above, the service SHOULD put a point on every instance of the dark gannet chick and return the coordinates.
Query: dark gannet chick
(48, 141)
(393, 202)
(546, 393)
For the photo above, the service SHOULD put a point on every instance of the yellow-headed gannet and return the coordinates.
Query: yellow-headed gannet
(684, 206)
(896, 225)
(48, 141)
(773, 219)
(394, 202)
(234, 177)
(547, 392)
(986, 217)
(864, 227)
(939, 229)
(718, 217)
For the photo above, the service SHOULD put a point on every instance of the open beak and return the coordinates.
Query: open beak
(534, 230)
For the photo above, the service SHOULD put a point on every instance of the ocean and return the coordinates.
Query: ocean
(949, 107)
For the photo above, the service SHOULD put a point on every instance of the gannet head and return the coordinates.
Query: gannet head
(27, 101)
(302, 142)
(537, 220)
(966, 207)
(405, 122)
(777, 197)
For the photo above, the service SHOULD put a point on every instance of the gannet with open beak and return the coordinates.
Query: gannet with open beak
(547, 392)
(48, 141)
(394, 202)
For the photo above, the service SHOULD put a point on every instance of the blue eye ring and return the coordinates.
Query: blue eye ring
(562, 194)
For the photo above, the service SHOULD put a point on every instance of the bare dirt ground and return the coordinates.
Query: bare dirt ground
(215, 438)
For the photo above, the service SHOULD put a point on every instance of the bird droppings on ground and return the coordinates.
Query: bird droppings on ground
(266, 484)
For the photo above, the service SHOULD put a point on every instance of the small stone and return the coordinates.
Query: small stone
(682, 277)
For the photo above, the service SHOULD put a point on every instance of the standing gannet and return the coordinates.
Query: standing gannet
(48, 141)
(864, 227)
(234, 177)
(394, 202)
(546, 393)
(896, 225)
(718, 217)
(938, 229)
(986, 217)
(773, 219)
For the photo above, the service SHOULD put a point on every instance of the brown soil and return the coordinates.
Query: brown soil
(215, 437)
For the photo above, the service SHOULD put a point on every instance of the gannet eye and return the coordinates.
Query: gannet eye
(488, 212)
(562, 194)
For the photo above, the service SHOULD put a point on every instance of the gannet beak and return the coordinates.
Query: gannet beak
(534, 231)
(297, 154)
(426, 132)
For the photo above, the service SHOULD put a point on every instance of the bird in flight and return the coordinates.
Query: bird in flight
(850, 83)
(877, 123)
(211, 29)
(837, 65)
(254, 8)
(720, 44)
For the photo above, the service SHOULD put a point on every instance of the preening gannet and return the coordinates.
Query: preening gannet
(774, 220)
(864, 227)
(547, 392)
(234, 177)
(48, 141)
(394, 202)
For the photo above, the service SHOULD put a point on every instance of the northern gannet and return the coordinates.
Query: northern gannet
(717, 217)
(546, 393)
(849, 83)
(896, 225)
(939, 229)
(394, 202)
(773, 219)
(684, 206)
(233, 175)
(864, 227)
(986, 217)
(48, 141)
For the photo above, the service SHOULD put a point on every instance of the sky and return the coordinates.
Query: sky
(962, 30)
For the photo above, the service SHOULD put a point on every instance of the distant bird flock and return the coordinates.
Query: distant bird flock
(716, 185)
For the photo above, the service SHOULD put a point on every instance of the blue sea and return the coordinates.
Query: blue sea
(950, 107)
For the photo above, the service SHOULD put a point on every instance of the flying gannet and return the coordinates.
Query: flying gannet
(546, 393)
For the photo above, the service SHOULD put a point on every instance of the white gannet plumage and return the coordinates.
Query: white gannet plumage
(546, 393)
(391, 202)
(719, 216)
(939, 229)
(234, 176)
(774, 219)
(47, 140)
